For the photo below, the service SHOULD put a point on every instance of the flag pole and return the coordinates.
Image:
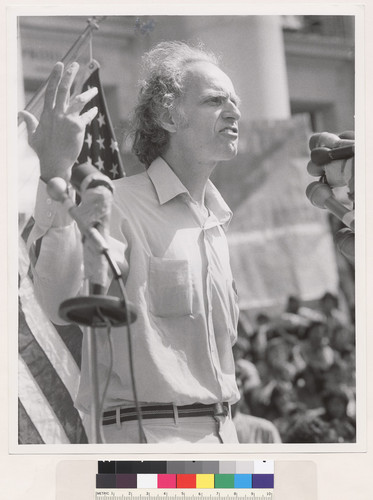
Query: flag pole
(71, 54)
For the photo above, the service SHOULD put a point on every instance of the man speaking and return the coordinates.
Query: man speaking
(167, 232)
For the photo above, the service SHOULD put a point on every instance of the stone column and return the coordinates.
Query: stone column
(253, 55)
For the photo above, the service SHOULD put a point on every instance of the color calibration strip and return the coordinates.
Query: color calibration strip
(160, 475)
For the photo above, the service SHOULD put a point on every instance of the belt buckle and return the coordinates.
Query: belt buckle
(220, 409)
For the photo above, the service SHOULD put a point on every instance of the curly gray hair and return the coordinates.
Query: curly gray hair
(165, 71)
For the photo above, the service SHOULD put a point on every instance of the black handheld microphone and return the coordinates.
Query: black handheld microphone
(86, 176)
(323, 156)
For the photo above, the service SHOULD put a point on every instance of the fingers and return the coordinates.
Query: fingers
(31, 122)
(325, 139)
(52, 86)
(328, 140)
(88, 116)
(348, 134)
(315, 170)
(81, 100)
(63, 91)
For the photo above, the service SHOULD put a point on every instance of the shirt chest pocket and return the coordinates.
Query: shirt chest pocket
(170, 287)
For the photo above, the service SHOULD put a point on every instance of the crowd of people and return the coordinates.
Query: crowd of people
(296, 374)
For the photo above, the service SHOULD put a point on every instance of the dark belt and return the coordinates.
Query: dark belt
(166, 411)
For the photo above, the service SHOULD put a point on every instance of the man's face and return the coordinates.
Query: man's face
(209, 106)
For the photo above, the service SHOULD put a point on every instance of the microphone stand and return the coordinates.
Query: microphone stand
(96, 311)
(95, 435)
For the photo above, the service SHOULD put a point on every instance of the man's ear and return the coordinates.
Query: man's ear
(168, 120)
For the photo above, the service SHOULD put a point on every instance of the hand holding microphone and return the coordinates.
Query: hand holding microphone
(332, 156)
(92, 217)
(342, 145)
(332, 159)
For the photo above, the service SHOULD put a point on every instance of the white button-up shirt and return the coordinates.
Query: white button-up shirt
(179, 280)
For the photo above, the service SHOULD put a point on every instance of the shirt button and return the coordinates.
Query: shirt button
(49, 201)
(49, 214)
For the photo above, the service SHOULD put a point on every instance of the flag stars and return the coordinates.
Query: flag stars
(100, 142)
(89, 161)
(89, 140)
(101, 119)
(114, 170)
(114, 146)
(99, 138)
(100, 164)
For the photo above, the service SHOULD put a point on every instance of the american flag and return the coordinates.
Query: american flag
(100, 147)
(49, 355)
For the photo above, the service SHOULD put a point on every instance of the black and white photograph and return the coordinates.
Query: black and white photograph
(186, 231)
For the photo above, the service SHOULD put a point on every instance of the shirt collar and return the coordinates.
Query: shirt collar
(166, 183)
(167, 186)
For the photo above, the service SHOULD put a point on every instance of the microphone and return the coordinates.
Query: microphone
(323, 156)
(95, 199)
(321, 196)
(57, 190)
(96, 192)
(86, 176)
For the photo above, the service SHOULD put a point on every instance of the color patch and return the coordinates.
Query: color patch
(166, 480)
(227, 468)
(175, 468)
(193, 467)
(205, 481)
(126, 481)
(245, 467)
(263, 480)
(186, 480)
(243, 481)
(264, 467)
(224, 480)
(108, 467)
(147, 480)
(210, 467)
(105, 480)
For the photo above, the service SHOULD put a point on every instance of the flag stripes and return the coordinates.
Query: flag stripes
(72, 337)
(38, 408)
(26, 428)
(43, 381)
(49, 369)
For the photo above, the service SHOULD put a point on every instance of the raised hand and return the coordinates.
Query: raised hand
(58, 137)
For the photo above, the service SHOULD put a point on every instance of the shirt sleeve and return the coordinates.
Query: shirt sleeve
(55, 250)
(56, 255)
